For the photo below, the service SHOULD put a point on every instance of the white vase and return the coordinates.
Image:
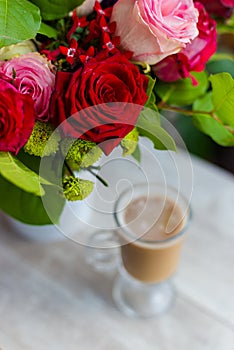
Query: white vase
(95, 213)
(69, 225)
(44, 233)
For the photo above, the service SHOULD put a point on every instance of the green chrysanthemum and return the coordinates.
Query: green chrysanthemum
(80, 153)
(76, 189)
(38, 144)
(129, 142)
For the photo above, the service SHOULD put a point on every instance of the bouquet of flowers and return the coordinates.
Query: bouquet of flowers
(75, 79)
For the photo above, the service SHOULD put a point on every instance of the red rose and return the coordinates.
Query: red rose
(195, 55)
(116, 89)
(16, 118)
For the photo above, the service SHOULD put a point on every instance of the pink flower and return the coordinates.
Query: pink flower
(31, 74)
(155, 29)
(195, 55)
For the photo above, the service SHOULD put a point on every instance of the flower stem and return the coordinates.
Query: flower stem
(95, 167)
(98, 177)
(68, 168)
(162, 105)
(145, 66)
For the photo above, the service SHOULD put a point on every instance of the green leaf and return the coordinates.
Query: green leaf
(218, 123)
(55, 9)
(137, 154)
(50, 164)
(151, 102)
(30, 161)
(182, 92)
(27, 207)
(220, 133)
(223, 97)
(148, 125)
(18, 174)
(19, 20)
(48, 31)
(196, 142)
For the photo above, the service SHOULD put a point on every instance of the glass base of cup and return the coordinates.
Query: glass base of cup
(138, 299)
(103, 250)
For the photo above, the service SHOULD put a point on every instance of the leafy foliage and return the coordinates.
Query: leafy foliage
(47, 30)
(223, 97)
(18, 174)
(182, 92)
(149, 125)
(26, 188)
(19, 20)
(137, 154)
(218, 122)
(151, 102)
(22, 19)
(28, 207)
(55, 9)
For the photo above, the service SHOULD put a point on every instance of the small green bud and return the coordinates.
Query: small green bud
(38, 144)
(80, 153)
(129, 142)
(76, 189)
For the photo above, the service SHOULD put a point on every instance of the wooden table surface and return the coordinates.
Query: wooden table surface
(50, 299)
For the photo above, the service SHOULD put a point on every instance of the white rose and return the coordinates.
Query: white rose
(7, 52)
(85, 8)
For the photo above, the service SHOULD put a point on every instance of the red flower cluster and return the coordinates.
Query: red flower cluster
(102, 76)
(91, 71)
(90, 86)
(99, 32)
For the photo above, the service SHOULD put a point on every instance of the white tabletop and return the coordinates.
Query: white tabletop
(51, 299)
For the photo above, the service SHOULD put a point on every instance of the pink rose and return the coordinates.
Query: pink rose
(155, 29)
(195, 55)
(33, 76)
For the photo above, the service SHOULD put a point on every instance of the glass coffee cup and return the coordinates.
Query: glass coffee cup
(152, 219)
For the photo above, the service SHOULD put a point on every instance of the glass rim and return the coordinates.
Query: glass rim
(187, 213)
